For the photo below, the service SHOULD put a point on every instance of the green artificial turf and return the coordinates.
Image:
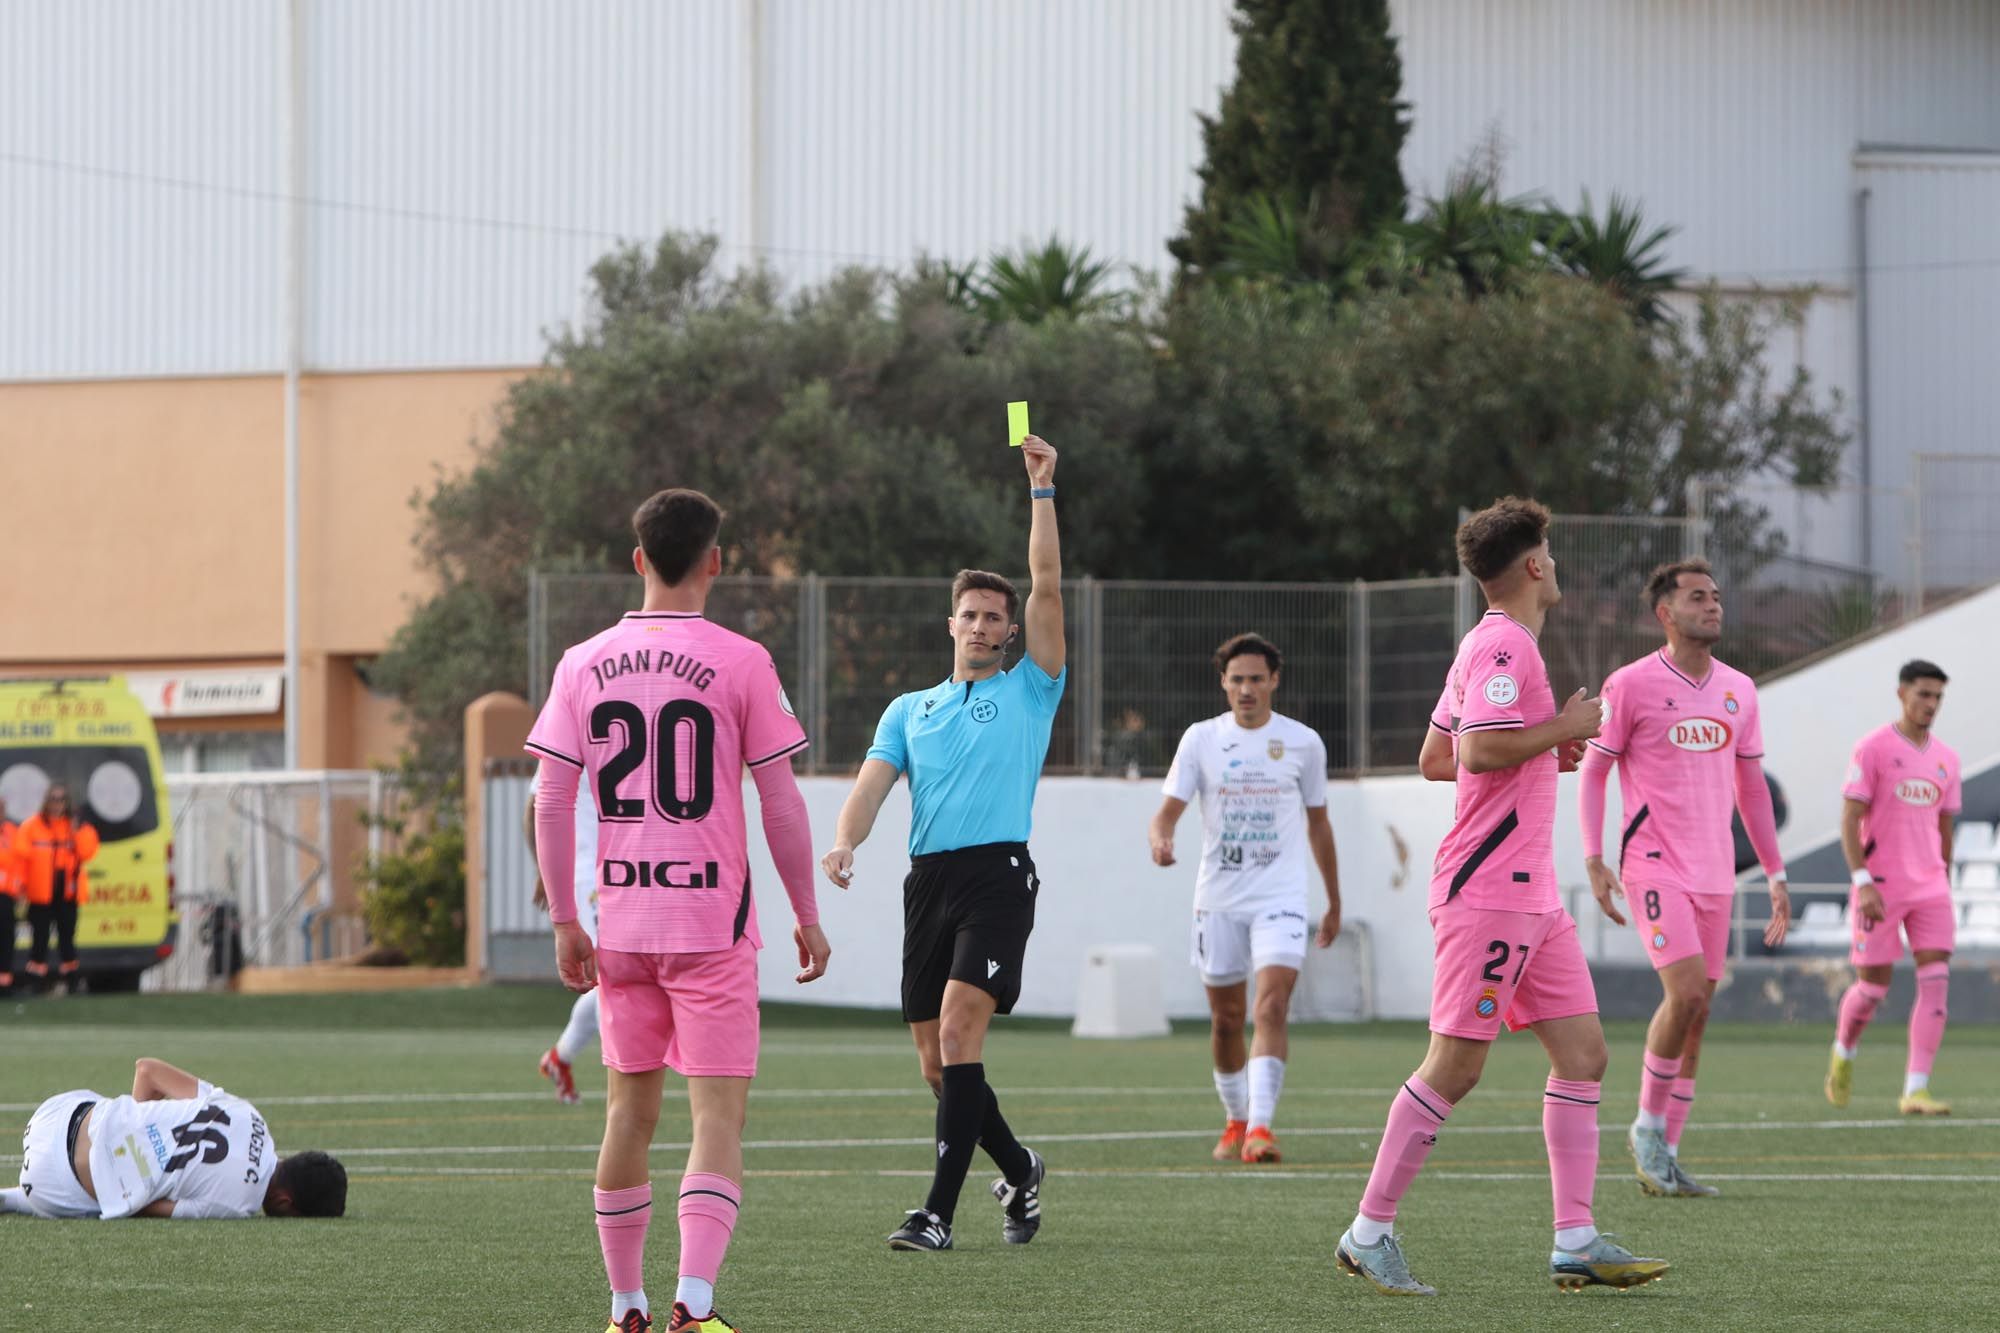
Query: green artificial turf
(470, 1190)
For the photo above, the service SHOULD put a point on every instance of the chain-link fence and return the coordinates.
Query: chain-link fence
(1363, 661)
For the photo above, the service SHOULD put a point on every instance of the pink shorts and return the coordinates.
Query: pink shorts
(1931, 922)
(695, 1013)
(1675, 924)
(1523, 967)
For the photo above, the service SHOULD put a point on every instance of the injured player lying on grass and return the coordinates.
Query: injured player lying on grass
(176, 1147)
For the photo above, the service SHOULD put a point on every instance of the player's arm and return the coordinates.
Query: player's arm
(857, 817)
(1438, 761)
(528, 831)
(555, 857)
(1760, 824)
(1947, 822)
(788, 833)
(157, 1081)
(1593, 777)
(1489, 750)
(1319, 836)
(1045, 608)
(1868, 898)
(1160, 833)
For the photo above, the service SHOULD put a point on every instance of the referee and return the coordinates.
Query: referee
(973, 747)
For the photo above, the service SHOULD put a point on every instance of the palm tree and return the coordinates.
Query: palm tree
(1617, 253)
(1034, 284)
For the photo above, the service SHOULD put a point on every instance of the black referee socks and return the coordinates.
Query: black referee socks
(961, 1110)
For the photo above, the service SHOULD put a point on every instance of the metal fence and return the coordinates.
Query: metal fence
(1363, 661)
(266, 868)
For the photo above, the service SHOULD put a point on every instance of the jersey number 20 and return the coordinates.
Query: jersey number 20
(682, 727)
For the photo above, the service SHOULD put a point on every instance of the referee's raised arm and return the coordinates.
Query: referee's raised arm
(1046, 644)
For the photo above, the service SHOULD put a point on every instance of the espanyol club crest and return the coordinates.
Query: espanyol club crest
(1276, 749)
(1729, 704)
(1659, 938)
(1488, 1003)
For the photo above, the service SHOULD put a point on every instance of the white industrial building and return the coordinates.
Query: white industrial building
(213, 188)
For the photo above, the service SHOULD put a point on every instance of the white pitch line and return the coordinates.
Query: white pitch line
(1232, 1177)
(1102, 1136)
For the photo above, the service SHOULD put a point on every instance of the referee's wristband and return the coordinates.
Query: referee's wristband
(1861, 879)
(1041, 492)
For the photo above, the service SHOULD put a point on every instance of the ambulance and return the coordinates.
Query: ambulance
(93, 734)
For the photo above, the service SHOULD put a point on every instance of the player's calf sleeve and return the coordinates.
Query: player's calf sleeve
(1927, 1015)
(1857, 1008)
(1415, 1116)
(1569, 1128)
(1656, 1084)
(997, 1137)
(961, 1108)
(1680, 1105)
(708, 1208)
(622, 1219)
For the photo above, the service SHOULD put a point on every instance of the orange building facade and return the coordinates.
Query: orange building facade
(142, 521)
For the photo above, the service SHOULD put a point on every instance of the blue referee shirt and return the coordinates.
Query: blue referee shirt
(974, 752)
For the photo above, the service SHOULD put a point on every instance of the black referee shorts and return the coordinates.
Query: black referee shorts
(967, 915)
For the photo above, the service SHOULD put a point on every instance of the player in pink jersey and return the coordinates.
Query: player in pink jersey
(1506, 949)
(1684, 732)
(1902, 797)
(661, 713)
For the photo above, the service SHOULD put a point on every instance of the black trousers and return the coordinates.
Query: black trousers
(7, 920)
(60, 915)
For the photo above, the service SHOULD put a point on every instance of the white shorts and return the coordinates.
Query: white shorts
(48, 1176)
(1228, 946)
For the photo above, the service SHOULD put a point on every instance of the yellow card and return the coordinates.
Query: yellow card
(1017, 424)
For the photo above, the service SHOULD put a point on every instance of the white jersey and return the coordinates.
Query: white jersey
(1255, 787)
(586, 856)
(212, 1155)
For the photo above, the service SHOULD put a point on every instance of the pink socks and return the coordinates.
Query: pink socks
(1857, 1007)
(1415, 1117)
(1679, 1108)
(622, 1218)
(1927, 1015)
(708, 1219)
(1569, 1127)
(1656, 1082)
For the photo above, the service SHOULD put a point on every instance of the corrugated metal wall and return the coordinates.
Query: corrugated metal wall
(466, 160)
(1735, 119)
(1934, 267)
(139, 187)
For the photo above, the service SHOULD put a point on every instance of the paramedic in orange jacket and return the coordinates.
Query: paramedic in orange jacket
(50, 852)
(9, 900)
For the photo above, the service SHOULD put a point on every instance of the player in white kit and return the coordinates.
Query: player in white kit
(1261, 778)
(558, 1062)
(176, 1147)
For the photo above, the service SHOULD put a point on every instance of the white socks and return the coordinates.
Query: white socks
(1915, 1083)
(1267, 1080)
(1367, 1231)
(1844, 1052)
(1234, 1089)
(621, 1301)
(1650, 1120)
(582, 1027)
(1575, 1238)
(697, 1295)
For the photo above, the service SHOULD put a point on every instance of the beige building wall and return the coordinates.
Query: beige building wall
(142, 525)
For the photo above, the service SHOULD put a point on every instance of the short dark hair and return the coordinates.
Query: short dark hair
(1665, 581)
(1917, 669)
(316, 1182)
(675, 528)
(1498, 535)
(1243, 644)
(979, 580)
